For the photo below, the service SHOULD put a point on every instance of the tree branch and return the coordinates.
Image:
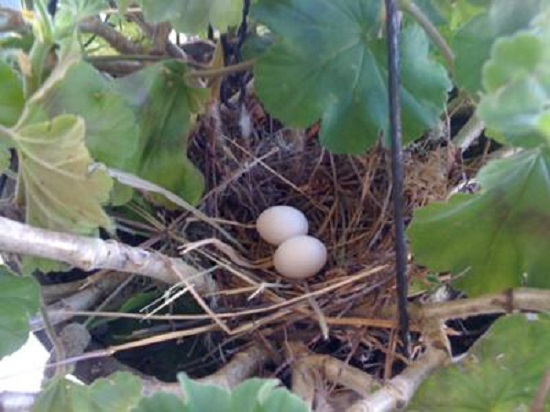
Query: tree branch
(85, 299)
(91, 253)
(242, 366)
(521, 299)
(400, 390)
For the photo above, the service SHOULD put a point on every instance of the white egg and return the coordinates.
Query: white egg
(300, 257)
(279, 223)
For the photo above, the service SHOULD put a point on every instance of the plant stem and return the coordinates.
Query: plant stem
(434, 34)
(124, 57)
(469, 133)
(209, 73)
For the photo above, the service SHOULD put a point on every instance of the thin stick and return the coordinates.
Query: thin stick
(397, 171)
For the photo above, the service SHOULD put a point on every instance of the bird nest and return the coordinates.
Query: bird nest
(250, 162)
(344, 317)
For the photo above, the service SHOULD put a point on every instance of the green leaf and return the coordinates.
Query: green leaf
(112, 135)
(19, 299)
(193, 16)
(253, 395)
(201, 397)
(69, 55)
(331, 64)
(160, 402)
(462, 11)
(61, 192)
(497, 238)
(265, 395)
(12, 99)
(164, 104)
(472, 43)
(70, 12)
(517, 82)
(119, 392)
(501, 373)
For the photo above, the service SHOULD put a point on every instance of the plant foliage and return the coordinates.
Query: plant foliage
(499, 238)
(474, 40)
(506, 229)
(253, 395)
(19, 297)
(119, 392)
(330, 64)
(192, 16)
(164, 103)
(315, 62)
(501, 372)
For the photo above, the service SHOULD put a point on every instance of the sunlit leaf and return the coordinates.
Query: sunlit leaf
(193, 16)
(472, 43)
(501, 373)
(75, 87)
(495, 239)
(62, 193)
(11, 96)
(19, 299)
(331, 64)
(69, 56)
(119, 392)
(164, 105)
(517, 82)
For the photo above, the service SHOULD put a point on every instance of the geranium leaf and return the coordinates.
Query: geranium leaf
(11, 98)
(501, 372)
(517, 85)
(165, 402)
(19, 298)
(112, 135)
(331, 64)
(118, 392)
(193, 16)
(472, 43)
(164, 104)
(71, 12)
(495, 239)
(61, 192)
